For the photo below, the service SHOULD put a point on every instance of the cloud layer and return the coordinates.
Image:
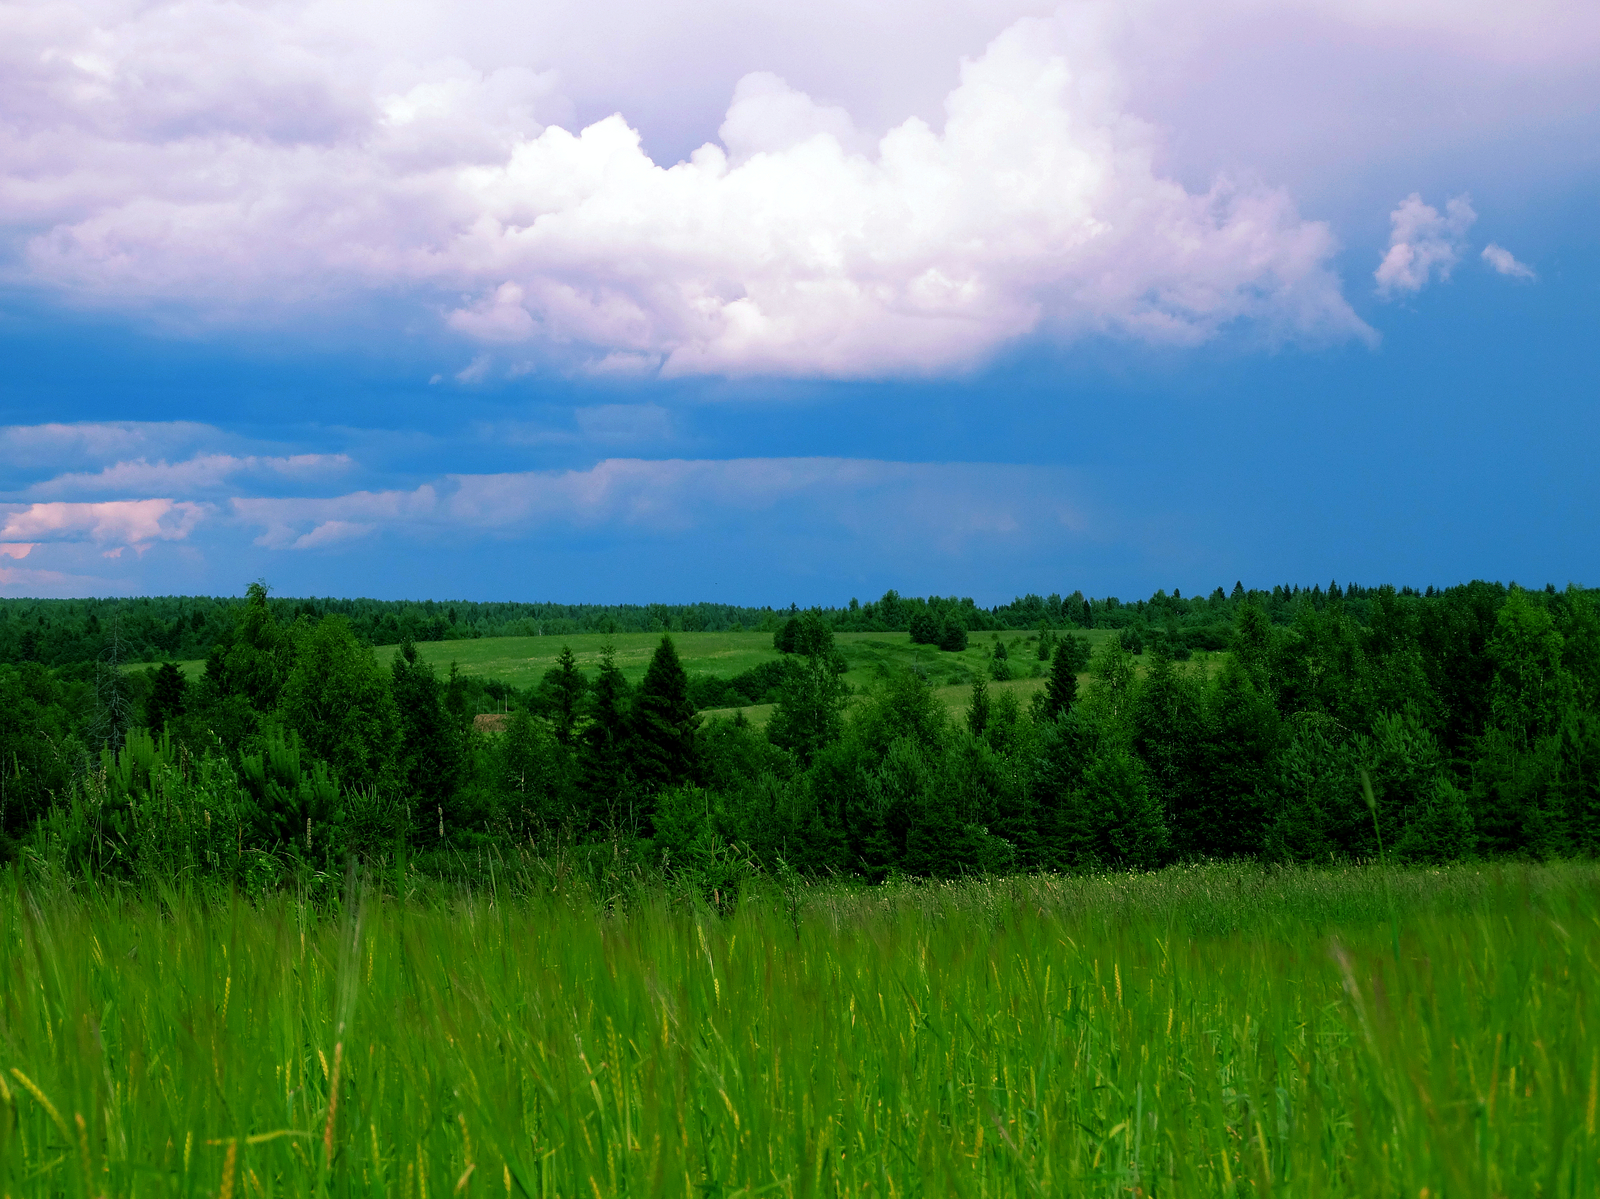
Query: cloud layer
(913, 513)
(220, 163)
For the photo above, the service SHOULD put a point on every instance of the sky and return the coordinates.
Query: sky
(763, 303)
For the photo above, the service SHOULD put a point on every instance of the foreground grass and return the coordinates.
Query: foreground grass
(1202, 1031)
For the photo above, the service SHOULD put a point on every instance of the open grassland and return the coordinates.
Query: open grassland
(1214, 1030)
(520, 662)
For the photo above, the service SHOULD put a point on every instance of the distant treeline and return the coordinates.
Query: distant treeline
(1336, 726)
(185, 628)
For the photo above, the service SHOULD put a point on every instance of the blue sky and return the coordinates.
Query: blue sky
(1106, 298)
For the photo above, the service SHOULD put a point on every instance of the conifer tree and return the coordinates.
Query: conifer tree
(565, 686)
(605, 774)
(431, 757)
(166, 701)
(1061, 692)
(664, 723)
(978, 709)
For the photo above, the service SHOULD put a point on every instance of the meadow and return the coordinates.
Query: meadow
(1207, 1030)
(520, 662)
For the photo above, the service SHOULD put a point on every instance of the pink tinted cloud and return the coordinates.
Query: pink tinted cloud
(1423, 243)
(278, 173)
(134, 523)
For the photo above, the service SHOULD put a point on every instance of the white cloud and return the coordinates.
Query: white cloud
(1423, 243)
(331, 532)
(17, 551)
(1503, 261)
(135, 523)
(244, 163)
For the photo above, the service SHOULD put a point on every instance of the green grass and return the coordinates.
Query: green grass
(522, 661)
(1202, 1031)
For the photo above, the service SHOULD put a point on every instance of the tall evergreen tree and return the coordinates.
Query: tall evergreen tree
(1168, 729)
(431, 753)
(1236, 769)
(1061, 691)
(564, 688)
(665, 723)
(605, 769)
(166, 700)
(978, 707)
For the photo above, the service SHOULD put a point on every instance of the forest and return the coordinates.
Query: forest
(184, 628)
(1319, 725)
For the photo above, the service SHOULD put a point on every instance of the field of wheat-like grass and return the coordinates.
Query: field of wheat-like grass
(1213, 1030)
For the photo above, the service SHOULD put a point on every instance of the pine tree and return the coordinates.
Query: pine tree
(665, 723)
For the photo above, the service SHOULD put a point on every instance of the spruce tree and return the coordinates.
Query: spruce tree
(605, 773)
(1061, 692)
(978, 709)
(166, 701)
(665, 722)
(431, 757)
(564, 687)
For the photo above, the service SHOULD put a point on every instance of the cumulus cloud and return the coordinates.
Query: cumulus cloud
(1503, 261)
(132, 523)
(243, 163)
(1423, 243)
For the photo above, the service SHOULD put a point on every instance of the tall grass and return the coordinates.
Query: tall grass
(1201, 1031)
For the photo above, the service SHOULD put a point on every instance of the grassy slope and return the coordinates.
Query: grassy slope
(522, 661)
(1216, 1030)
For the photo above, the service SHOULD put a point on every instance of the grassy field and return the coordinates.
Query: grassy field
(1212, 1030)
(521, 661)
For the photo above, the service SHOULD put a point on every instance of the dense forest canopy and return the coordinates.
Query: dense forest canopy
(1469, 717)
(184, 628)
